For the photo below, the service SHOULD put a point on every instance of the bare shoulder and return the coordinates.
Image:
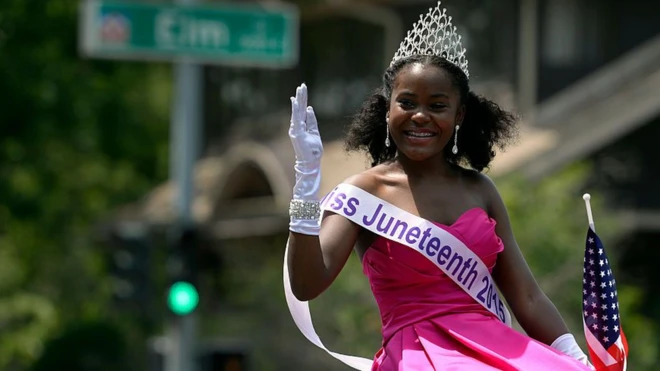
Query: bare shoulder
(481, 181)
(485, 187)
(370, 180)
(486, 182)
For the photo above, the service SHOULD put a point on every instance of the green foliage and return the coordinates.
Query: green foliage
(86, 346)
(253, 311)
(77, 139)
(550, 223)
(640, 331)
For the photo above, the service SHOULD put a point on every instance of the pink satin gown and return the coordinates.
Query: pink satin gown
(430, 324)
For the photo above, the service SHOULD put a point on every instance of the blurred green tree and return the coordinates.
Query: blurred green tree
(550, 223)
(85, 346)
(77, 139)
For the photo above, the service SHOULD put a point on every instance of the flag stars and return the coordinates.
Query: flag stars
(600, 307)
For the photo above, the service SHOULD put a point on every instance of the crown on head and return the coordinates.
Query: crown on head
(434, 34)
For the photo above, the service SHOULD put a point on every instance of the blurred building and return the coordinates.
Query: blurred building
(585, 75)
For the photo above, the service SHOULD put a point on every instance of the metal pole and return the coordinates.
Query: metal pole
(185, 126)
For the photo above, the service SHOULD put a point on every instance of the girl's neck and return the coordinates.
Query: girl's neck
(432, 167)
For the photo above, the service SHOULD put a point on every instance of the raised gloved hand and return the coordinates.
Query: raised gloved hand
(306, 140)
(567, 345)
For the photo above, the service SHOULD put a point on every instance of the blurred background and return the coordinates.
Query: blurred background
(105, 106)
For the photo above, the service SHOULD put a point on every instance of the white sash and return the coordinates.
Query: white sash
(443, 249)
(303, 319)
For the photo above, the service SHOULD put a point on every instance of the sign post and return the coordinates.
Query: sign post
(185, 126)
(188, 34)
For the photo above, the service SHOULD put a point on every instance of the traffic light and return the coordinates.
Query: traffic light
(182, 298)
(129, 265)
(182, 294)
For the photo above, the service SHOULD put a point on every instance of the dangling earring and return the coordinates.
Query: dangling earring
(387, 132)
(454, 149)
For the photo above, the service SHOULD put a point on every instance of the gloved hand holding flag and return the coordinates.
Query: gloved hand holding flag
(606, 342)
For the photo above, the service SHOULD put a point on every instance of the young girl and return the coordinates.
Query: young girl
(431, 230)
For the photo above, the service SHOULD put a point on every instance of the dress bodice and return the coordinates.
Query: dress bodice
(409, 288)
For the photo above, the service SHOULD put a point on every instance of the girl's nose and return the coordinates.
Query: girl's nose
(421, 117)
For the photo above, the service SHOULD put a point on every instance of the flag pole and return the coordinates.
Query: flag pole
(587, 197)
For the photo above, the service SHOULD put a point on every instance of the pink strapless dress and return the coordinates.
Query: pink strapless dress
(430, 323)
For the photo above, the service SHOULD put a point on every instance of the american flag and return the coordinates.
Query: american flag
(606, 342)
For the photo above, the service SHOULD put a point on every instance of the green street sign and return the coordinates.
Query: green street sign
(182, 298)
(224, 34)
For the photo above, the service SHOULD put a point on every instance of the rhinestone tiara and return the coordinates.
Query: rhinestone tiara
(434, 34)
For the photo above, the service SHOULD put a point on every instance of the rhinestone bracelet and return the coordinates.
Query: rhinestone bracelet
(304, 210)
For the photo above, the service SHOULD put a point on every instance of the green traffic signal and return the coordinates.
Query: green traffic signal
(182, 298)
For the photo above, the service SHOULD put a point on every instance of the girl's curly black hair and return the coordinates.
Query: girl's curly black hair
(484, 126)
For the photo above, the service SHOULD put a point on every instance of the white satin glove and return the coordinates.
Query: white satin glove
(308, 148)
(567, 345)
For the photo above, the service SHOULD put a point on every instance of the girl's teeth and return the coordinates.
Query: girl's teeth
(420, 134)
